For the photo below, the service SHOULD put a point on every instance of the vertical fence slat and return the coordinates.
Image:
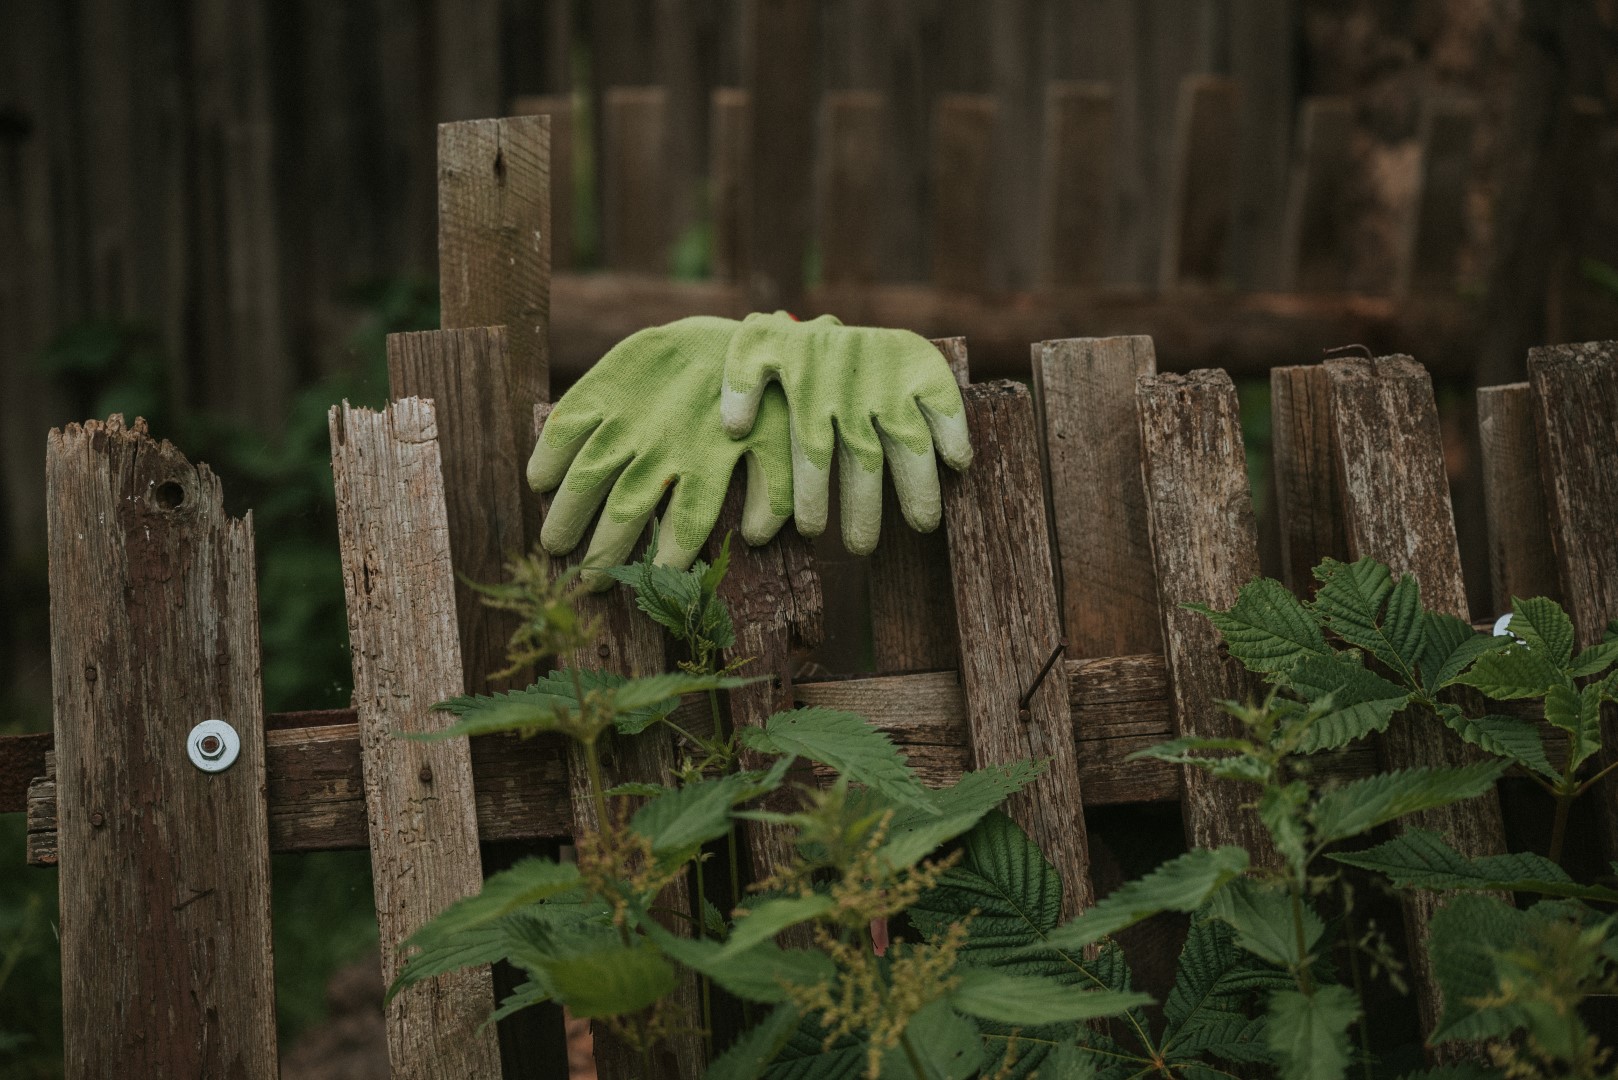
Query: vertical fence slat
(494, 240)
(628, 643)
(1575, 401)
(1315, 234)
(1077, 202)
(1310, 511)
(963, 178)
(728, 180)
(165, 902)
(912, 614)
(394, 533)
(1204, 547)
(1006, 616)
(1084, 389)
(559, 108)
(1521, 560)
(1437, 228)
(779, 50)
(1202, 184)
(853, 149)
(1396, 508)
(634, 216)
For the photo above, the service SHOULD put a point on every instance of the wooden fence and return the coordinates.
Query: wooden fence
(1100, 502)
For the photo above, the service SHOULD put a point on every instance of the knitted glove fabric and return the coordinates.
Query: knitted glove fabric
(866, 392)
(646, 418)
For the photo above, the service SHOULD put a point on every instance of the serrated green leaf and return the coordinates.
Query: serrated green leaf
(1033, 999)
(654, 692)
(527, 882)
(1451, 644)
(1351, 602)
(1362, 701)
(1541, 622)
(1281, 809)
(1421, 859)
(1466, 937)
(916, 831)
(610, 980)
(1244, 764)
(1209, 1010)
(1309, 1033)
(766, 919)
(1267, 629)
(1183, 883)
(1595, 659)
(847, 742)
(1578, 714)
(807, 1056)
(1504, 736)
(1511, 673)
(751, 1054)
(538, 707)
(945, 1043)
(446, 952)
(681, 821)
(760, 973)
(1361, 806)
(525, 996)
(1262, 918)
(637, 791)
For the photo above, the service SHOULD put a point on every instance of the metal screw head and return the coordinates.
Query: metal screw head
(213, 746)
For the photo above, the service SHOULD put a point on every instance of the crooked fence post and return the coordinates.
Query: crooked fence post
(165, 892)
(393, 530)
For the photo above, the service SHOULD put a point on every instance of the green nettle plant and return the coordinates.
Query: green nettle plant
(995, 985)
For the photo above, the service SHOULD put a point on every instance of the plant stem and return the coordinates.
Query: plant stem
(1359, 982)
(1305, 983)
(1564, 803)
(701, 931)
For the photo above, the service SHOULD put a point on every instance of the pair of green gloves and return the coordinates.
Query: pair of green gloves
(678, 405)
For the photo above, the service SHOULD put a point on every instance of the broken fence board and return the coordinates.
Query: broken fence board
(1305, 469)
(1522, 561)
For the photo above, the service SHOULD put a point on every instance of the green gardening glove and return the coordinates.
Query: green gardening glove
(866, 391)
(644, 419)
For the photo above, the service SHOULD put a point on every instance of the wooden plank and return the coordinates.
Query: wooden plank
(1246, 333)
(634, 220)
(1085, 392)
(165, 917)
(779, 50)
(1305, 470)
(728, 182)
(1078, 202)
(1396, 508)
(912, 615)
(963, 185)
(1316, 238)
(1522, 561)
(627, 643)
(1205, 548)
(1261, 39)
(1575, 403)
(494, 242)
(1007, 619)
(400, 590)
(559, 107)
(851, 186)
(1202, 185)
(1437, 230)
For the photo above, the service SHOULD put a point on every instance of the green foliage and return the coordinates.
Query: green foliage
(1308, 1033)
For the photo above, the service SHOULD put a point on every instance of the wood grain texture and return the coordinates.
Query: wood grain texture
(1437, 229)
(1522, 560)
(1007, 620)
(1575, 401)
(1202, 184)
(963, 177)
(852, 161)
(1205, 548)
(634, 219)
(1305, 470)
(728, 183)
(1396, 508)
(1315, 252)
(559, 109)
(912, 614)
(165, 898)
(393, 531)
(494, 238)
(1077, 197)
(1084, 389)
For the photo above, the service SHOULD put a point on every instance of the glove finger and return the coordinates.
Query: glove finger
(915, 481)
(559, 442)
(569, 515)
(739, 408)
(611, 545)
(950, 435)
(811, 489)
(861, 501)
(693, 510)
(762, 515)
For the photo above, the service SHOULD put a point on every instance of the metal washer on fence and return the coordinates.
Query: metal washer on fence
(213, 746)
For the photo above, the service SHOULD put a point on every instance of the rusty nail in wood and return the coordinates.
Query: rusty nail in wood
(603, 651)
(1341, 349)
(1028, 695)
(426, 774)
(98, 819)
